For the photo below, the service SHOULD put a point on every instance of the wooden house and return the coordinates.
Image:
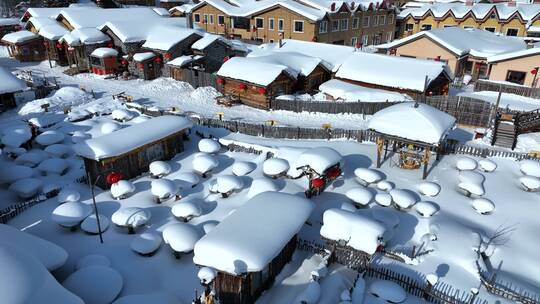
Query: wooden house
(169, 4)
(51, 31)
(25, 46)
(9, 25)
(146, 65)
(180, 67)
(246, 257)
(10, 86)
(215, 50)
(104, 61)
(129, 151)
(80, 43)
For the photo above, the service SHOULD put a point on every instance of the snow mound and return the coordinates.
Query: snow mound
(64, 98)
(109, 127)
(471, 177)
(159, 168)
(131, 217)
(90, 225)
(122, 189)
(121, 115)
(360, 196)
(95, 284)
(187, 180)
(275, 167)
(58, 150)
(181, 237)
(186, 210)
(347, 207)
(487, 165)
(16, 136)
(48, 254)
(204, 93)
(530, 183)
(204, 163)
(483, 205)
(385, 186)
(226, 184)
(26, 187)
(92, 260)
(426, 209)
(31, 158)
(241, 168)
(53, 166)
(310, 295)
(428, 188)
(164, 188)
(206, 274)
(146, 243)
(12, 173)
(209, 226)
(466, 163)
(432, 279)
(471, 182)
(383, 199)
(530, 167)
(155, 297)
(71, 214)
(207, 145)
(139, 119)
(386, 216)
(404, 199)
(260, 185)
(67, 195)
(319, 159)
(48, 138)
(79, 136)
(367, 176)
(388, 290)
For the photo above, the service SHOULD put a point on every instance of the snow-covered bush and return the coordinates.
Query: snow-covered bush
(385, 186)
(186, 210)
(260, 185)
(26, 187)
(95, 284)
(360, 196)
(92, 260)
(206, 275)
(241, 168)
(367, 176)
(48, 138)
(122, 189)
(131, 217)
(226, 185)
(487, 165)
(275, 167)
(426, 209)
(146, 244)
(159, 168)
(471, 183)
(530, 183)
(208, 145)
(388, 291)
(67, 195)
(181, 237)
(31, 158)
(89, 225)
(109, 127)
(58, 150)
(383, 199)
(402, 198)
(530, 167)
(204, 163)
(209, 226)
(54, 166)
(428, 188)
(164, 188)
(71, 214)
(483, 205)
(121, 115)
(464, 163)
(187, 180)
(12, 173)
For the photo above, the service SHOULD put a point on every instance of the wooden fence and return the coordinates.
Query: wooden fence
(202, 79)
(486, 85)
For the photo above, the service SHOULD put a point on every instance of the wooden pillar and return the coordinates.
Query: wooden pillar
(425, 160)
(385, 149)
(380, 142)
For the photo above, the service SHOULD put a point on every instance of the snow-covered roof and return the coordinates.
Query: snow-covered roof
(205, 41)
(513, 55)
(136, 30)
(79, 18)
(423, 123)
(248, 239)
(478, 43)
(52, 31)
(479, 10)
(358, 231)
(9, 21)
(251, 70)
(296, 63)
(392, 71)
(139, 57)
(184, 8)
(161, 11)
(183, 60)
(19, 37)
(345, 91)
(104, 52)
(319, 159)
(165, 37)
(9, 83)
(86, 35)
(132, 137)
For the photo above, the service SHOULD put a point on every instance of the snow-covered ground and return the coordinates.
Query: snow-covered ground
(510, 101)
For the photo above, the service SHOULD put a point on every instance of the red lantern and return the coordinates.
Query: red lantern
(141, 66)
(242, 86)
(167, 56)
(314, 39)
(113, 178)
(157, 60)
(317, 183)
(124, 62)
(534, 71)
(225, 59)
(254, 29)
(333, 172)
(261, 91)
(221, 81)
(59, 46)
(109, 45)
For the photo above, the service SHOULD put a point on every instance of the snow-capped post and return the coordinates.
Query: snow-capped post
(431, 280)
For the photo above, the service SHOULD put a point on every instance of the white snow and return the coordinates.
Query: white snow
(109, 127)
(260, 185)
(49, 137)
(164, 37)
(252, 70)
(187, 210)
(29, 159)
(428, 188)
(471, 182)
(319, 159)
(122, 189)
(90, 224)
(310, 295)
(402, 198)
(208, 145)
(131, 217)
(466, 163)
(58, 150)
(70, 214)
(104, 52)
(228, 183)
(181, 237)
(358, 231)
(344, 91)
(360, 196)
(241, 168)
(275, 166)
(155, 297)
(67, 195)
(26, 187)
(159, 168)
(530, 167)
(206, 274)
(19, 37)
(186, 180)
(12, 173)
(487, 165)
(426, 209)
(16, 136)
(383, 199)
(62, 99)
(92, 260)
(385, 186)
(483, 205)
(530, 183)
(140, 57)
(86, 36)
(369, 176)
(388, 290)
(95, 284)
(9, 83)
(164, 188)
(204, 163)
(508, 100)
(53, 166)
(422, 123)
(121, 115)
(145, 243)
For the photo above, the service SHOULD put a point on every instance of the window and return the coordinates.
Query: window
(365, 39)
(365, 21)
(468, 27)
(344, 24)
(335, 25)
(298, 26)
(271, 24)
(377, 39)
(323, 27)
(197, 17)
(512, 32)
(391, 19)
(382, 20)
(271, 41)
(490, 29)
(409, 27)
(205, 18)
(516, 77)
(388, 36)
(375, 20)
(355, 23)
(339, 42)
(280, 25)
(212, 19)
(259, 23)
(492, 16)
(425, 27)
(354, 40)
(221, 20)
(447, 25)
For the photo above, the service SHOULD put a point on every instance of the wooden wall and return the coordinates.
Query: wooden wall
(32, 50)
(7, 101)
(251, 96)
(348, 256)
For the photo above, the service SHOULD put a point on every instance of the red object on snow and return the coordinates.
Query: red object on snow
(261, 91)
(113, 178)
(254, 29)
(221, 81)
(317, 182)
(226, 59)
(333, 172)
(242, 86)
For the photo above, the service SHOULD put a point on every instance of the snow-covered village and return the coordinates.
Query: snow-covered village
(269, 151)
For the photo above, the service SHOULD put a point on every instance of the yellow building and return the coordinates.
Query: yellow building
(519, 67)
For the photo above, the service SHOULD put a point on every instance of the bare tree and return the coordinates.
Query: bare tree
(499, 237)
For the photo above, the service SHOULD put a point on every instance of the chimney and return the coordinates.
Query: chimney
(333, 6)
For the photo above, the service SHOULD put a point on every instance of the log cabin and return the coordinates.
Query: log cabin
(9, 25)
(10, 86)
(146, 65)
(129, 151)
(80, 43)
(180, 66)
(104, 61)
(214, 49)
(52, 32)
(25, 46)
(251, 246)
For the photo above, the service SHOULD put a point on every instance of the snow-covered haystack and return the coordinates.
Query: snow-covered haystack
(12, 173)
(487, 165)
(204, 163)
(426, 209)
(26, 280)
(164, 188)
(206, 275)
(109, 127)
(186, 210)
(54, 166)
(89, 225)
(181, 237)
(360, 196)
(31, 158)
(310, 295)
(146, 244)
(385, 186)
(26, 187)
(187, 180)
(402, 198)
(92, 260)
(260, 185)
(530, 183)
(131, 217)
(471, 183)
(79, 136)
(530, 167)
(51, 137)
(465, 163)
(122, 189)
(241, 168)
(58, 150)
(159, 168)
(16, 136)
(71, 214)
(483, 205)
(275, 167)
(49, 254)
(95, 284)
(67, 195)
(383, 199)
(428, 188)
(64, 98)
(207, 145)
(226, 185)
(121, 115)
(367, 176)
(388, 291)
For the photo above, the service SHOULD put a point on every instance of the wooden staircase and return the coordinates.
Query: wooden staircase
(508, 127)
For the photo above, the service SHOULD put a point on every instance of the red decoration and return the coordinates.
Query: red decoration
(254, 29)
(221, 81)
(333, 172)
(225, 59)
(242, 86)
(314, 39)
(157, 60)
(113, 178)
(124, 62)
(109, 45)
(167, 56)
(438, 58)
(261, 91)
(59, 46)
(534, 71)
(141, 66)
(317, 183)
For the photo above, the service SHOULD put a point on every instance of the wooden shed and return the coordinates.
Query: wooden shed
(247, 257)
(104, 61)
(129, 151)
(180, 67)
(25, 46)
(52, 32)
(9, 87)
(9, 25)
(215, 50)
(146, 65)
(79, 44)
